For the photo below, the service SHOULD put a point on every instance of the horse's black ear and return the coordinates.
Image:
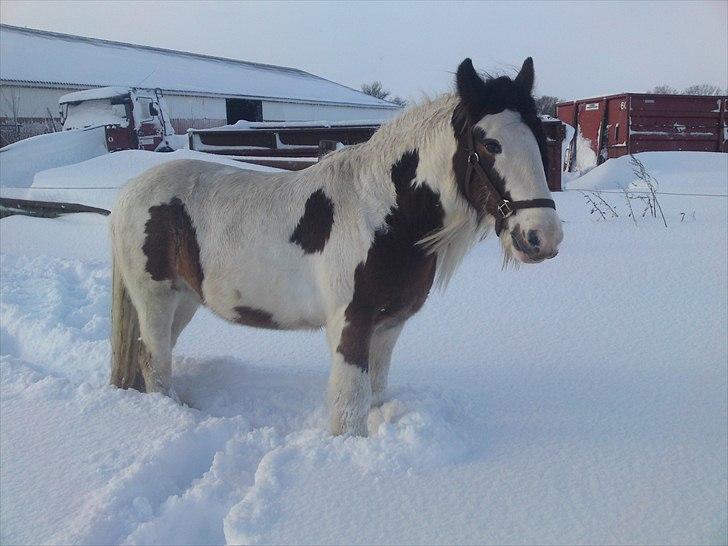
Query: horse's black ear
(526, 75)
(471, 87)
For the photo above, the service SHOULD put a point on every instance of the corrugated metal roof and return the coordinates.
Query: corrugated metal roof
(42, 57)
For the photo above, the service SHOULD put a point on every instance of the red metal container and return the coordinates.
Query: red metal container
(617, 125)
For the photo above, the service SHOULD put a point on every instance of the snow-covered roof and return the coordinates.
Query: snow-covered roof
(50, 58)
(94, 94)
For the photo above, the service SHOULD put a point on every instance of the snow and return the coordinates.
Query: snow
(586, 157)
(21, 160)
(582, 400)
(31, 55)
(95, 182)
(676, 172)
(92, 113)
(95, 94)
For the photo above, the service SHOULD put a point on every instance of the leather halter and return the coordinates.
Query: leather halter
(500, 208)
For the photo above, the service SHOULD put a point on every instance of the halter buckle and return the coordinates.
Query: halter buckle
(473, 158)
(505, 208)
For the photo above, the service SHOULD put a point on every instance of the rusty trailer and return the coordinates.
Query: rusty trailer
(628, 123)
(287, 145)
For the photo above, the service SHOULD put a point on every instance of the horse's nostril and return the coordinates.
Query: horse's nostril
(533, 239)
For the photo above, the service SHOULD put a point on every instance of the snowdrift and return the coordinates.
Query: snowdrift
(678, 172)
(96, 181)
(21, 160)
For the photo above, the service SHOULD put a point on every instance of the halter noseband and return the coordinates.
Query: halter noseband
(501, 208)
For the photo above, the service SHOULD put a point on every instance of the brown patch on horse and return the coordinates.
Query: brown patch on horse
(395, 280)
(314, 227)
(171, 245)
(257, 318)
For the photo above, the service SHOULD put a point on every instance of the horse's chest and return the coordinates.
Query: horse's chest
(394, 281)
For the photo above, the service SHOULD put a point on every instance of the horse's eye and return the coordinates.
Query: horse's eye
(493, 147)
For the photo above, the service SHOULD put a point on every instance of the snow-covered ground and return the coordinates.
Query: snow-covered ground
(96, 181)
(581, 400)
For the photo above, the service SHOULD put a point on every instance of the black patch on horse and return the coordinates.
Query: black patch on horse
(395, 280)
(314, 227)
(171, 245)
(479, 98)
(257, 318)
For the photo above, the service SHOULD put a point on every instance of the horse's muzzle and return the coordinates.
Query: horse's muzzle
(532, 246)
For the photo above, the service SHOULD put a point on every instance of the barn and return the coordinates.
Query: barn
(38, 67)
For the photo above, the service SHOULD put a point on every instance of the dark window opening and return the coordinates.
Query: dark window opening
(248, 110)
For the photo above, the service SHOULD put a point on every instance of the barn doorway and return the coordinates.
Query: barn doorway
(248, 110)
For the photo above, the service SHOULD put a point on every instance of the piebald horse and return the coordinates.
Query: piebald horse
(352, 244)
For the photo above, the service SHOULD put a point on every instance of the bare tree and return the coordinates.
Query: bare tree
(664, 90)
(375, 89)
(703, 89)
(697, 89)
(546, 105)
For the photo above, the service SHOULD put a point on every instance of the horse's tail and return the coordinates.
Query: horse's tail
(126, 346)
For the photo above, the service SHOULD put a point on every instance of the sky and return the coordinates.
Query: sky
(579, 49)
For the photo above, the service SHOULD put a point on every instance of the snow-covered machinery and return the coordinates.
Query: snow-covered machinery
(95, 122)
(133, 118)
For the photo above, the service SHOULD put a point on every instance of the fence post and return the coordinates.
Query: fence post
(325, 147)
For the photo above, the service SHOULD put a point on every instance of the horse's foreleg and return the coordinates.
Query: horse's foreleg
(380, 356)
(350, 390)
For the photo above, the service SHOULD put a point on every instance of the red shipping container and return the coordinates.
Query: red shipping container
(628, 123)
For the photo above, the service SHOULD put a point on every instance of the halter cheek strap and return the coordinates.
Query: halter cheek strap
(500, 207)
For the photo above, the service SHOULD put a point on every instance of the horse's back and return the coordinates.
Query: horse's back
(226, 231)
(179, 178)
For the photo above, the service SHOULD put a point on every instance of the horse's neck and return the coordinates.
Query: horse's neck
(428, 130)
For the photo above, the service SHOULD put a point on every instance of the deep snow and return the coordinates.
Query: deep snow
(582, 400)
(20, 161)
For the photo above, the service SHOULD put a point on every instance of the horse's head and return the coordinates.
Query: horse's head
(500, 161)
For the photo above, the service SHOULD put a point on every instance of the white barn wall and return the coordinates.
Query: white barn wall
(195, 112)
(31, 102)
(31, 105)
(287, 111)
(202, 112)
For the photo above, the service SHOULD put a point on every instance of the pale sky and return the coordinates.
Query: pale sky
(579, 48)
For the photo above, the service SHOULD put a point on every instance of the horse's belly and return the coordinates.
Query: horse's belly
(274, 299)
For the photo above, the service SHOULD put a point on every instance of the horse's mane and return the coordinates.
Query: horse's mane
(463, 229)
(423, 126)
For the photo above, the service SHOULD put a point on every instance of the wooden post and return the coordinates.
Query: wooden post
(325, 147)
(44, 209)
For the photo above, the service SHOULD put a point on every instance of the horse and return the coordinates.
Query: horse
(352, 244)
